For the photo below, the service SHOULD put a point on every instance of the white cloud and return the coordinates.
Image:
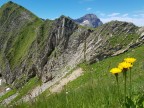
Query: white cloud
(113, 14)
(139, 15)
(135, 15)
(102, 14)
(136, 21)
(139, 11)
(137, 18)
(88, 9)
(125, 15)
(142, 15)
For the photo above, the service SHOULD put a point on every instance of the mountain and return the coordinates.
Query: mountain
(18, 29)
(30, 46)
(90, 20)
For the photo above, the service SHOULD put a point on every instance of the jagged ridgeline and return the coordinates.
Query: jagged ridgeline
(30, 46)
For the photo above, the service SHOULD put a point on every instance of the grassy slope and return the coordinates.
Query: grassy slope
(17, 44)
(97, 87)
(44, 32)
(23, 43)
(32, 83)
(119, 35)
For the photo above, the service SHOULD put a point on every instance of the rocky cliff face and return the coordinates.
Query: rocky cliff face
(47, 49)
(89, 20)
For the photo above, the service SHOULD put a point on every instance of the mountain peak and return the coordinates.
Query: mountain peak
(90, 20)
(11, 8)
(90, 16)
(9, 3)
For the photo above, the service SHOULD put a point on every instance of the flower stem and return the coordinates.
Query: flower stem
(130, 83)
(124, 73)
(117, 83)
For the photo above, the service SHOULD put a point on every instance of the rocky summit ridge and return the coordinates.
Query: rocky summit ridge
(30, 46)
(89, 20)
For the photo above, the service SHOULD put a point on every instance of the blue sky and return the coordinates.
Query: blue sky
(106, 10)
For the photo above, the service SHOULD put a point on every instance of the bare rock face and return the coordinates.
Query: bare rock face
(141, 32)
(30, 46)
(89, 20)
(47, 77)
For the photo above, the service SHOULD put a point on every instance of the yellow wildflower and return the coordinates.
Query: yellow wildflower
(130, 60)
(120, 67)
(124, 65)
(115, 70)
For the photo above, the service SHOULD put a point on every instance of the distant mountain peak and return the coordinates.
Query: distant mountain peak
(90, 16)
(90, 20)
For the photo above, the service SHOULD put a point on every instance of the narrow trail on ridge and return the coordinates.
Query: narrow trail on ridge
(58, 87)
(54, 86)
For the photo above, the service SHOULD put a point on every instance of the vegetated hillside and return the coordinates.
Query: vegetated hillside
(48, 49)
(97, 88)
(18, 30)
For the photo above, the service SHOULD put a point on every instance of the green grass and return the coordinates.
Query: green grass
(22, 44)
(97, 87)
(32, 83)
(17, 42)
(8, 94)
(123, 40)
(44, 32)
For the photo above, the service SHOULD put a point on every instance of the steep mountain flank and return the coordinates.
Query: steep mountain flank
(31, 46)
(18, 28)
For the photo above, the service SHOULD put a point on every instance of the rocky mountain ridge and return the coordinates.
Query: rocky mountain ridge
(33, 47)
(89, 20)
